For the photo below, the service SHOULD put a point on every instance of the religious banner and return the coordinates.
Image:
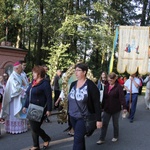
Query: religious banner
(133, 49)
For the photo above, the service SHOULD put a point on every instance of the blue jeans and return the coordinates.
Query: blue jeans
(133, 104)
(106, 119)
(79, 133)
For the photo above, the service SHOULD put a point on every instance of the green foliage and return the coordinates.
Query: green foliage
(58, 58)
(61, 32)
(3, 39)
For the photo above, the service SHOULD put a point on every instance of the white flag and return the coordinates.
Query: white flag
(133, 49)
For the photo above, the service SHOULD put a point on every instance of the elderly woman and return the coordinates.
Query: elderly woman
(84, 94)
(39, 93)
(113, 101)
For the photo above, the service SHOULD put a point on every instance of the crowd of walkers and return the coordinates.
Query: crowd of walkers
(110, 97)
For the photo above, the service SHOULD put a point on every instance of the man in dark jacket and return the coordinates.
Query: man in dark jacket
(48, 79)
(56, 87)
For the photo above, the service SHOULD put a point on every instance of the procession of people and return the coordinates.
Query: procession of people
(106, 98)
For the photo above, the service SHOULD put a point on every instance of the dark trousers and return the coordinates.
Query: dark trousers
(106, 119)
(38, 132)
(79, 133)
(69, 122)
(133, 104)
(56, 95)
(140, 90)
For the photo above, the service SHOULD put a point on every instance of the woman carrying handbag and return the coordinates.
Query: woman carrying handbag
(83, 99)
(39, 93)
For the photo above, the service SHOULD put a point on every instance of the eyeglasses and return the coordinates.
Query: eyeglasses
(78, 70)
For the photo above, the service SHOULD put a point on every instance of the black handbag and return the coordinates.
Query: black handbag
(90, 121)
(90, 124)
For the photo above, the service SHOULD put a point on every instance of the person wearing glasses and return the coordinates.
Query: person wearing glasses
(112, 104)
(83, 93)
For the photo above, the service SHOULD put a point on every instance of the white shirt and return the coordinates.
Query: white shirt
(62, 96)
(134, 88)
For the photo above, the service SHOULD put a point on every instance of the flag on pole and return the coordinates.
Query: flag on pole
(133, 49)
(113, 51)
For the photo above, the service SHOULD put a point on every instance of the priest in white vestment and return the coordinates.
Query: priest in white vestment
(12, 102)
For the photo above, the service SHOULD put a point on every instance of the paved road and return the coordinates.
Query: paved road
(133, 136)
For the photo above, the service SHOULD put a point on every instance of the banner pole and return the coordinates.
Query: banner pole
(113, 51)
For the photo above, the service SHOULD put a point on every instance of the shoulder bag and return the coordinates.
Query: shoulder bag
(35, 112)
(90, 121)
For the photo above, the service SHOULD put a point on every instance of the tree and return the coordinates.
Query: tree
(76, 29)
